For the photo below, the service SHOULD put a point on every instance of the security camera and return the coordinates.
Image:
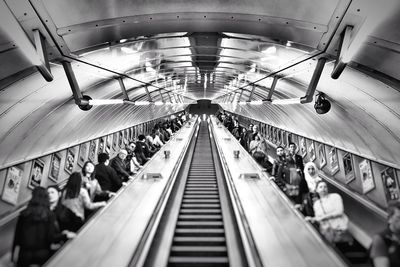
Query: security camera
(321, 105)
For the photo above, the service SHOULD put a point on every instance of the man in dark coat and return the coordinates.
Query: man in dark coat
(142, 151)
(107, 177)
(119, 165)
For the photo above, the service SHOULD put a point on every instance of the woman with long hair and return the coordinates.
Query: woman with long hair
(68, 222)
(36, 230)
(76, 198)
(91, 184)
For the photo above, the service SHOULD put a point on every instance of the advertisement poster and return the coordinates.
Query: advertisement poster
(36, 173)
(82, 154)
(367, 178)
(12, 185)
(321, 155)
(348, 168)
(390, 184)
(92, 150)
(55, 167)
(311, 151)
(303, 147)
(69, 160)
(333, 160)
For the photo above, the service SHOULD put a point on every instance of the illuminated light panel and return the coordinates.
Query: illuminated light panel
(270, 50)
(158, 103)
(288, 101)
(123, 41)
(257, 102)
(99, 102)
(142, 103)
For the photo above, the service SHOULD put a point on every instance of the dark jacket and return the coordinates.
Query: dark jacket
(108, 178)
(142, 152)
(119, 166)
(34, 237)
(67, 220)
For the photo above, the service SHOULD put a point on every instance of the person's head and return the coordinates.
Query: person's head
(321, 188)
(122, 154)
(292, 148)
(73, 187)
(88, 169)
(257, 137)
(103, 158)
(141, 138)
(255, 128)
(54, 194)
(39, 205)
(250, 127)
(279, 151)
(310, 169)
(393, 211)
(39, 198)
(131, 147)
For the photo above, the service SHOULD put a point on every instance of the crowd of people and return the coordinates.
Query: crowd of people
(53, 215)
(309, 193)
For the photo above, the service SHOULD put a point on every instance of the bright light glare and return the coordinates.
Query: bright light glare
(99, 102)
(257, 102)
(158, 103)
(128, 50)
(270, 50)
(123, 41)
(288, 101)
(142, 103)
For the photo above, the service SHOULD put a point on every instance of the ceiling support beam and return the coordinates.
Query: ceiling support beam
(161, 95)
(272, 89)
(36, 55)
(123, 88)
(252, 92)
(73, 83)
(44, 67)
(312, 86)
(344, 44)
(148, 93)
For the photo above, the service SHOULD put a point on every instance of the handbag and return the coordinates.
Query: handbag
(293, 187)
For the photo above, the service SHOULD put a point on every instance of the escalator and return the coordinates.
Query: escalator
(198, 223)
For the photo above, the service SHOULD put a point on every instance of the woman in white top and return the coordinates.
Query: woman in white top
(311, 176)
(329, 213)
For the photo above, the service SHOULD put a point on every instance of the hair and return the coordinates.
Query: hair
(74, 184)
(317, 184)
(38, 208)
(55, 186)
(84, 169)
(392, 206)
(291, 143)
(141, 137)
(279, 147)
(103, 157)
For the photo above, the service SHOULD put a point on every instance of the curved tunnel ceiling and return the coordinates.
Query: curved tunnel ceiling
(189, 50)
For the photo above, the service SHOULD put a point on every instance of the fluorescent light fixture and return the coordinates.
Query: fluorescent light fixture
(257, 102)
(288, 101)
(128, 50)
(288, 43)
(270, 50)
(158, 103)
(142, 103)
(123, 41)
(242, 103)
(99, 102)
